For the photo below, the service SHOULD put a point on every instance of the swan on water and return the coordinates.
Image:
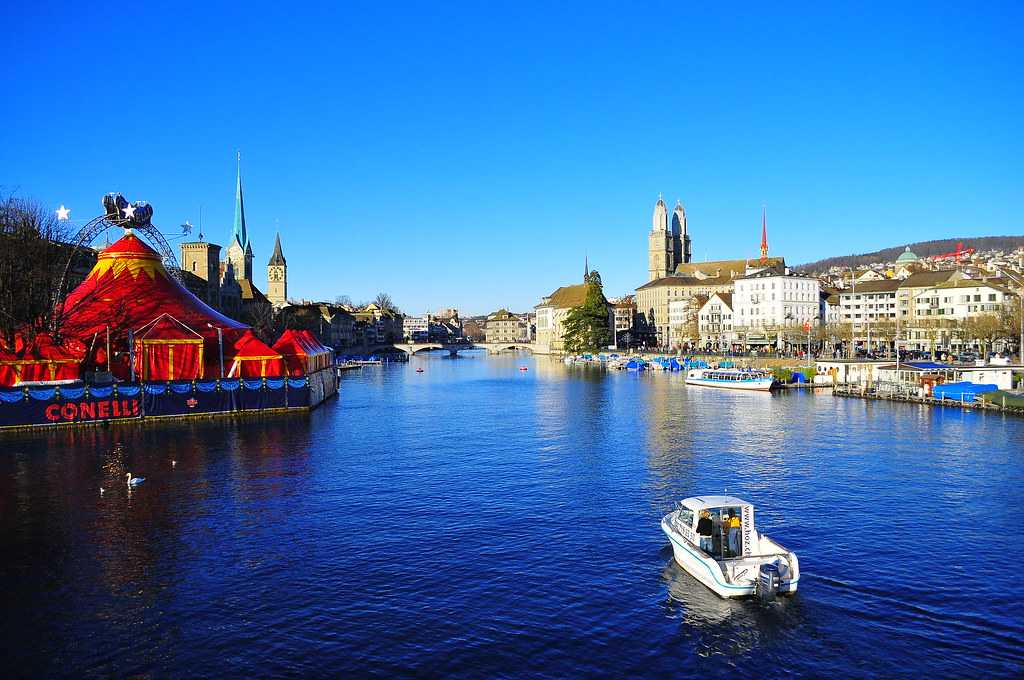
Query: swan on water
(173, 463)
(135, 481)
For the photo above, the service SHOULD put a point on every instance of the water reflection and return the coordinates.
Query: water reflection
(475, 512)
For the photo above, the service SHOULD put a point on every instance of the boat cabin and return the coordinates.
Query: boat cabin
(723, 526)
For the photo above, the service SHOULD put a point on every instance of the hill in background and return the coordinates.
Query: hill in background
(921, 249)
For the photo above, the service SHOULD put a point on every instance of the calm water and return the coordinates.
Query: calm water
(475, 520)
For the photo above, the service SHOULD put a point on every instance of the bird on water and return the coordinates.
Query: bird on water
(134, 481)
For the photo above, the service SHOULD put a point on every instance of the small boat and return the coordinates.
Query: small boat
(732, 378)
(714, 539)
(523, 368)
(419, 370)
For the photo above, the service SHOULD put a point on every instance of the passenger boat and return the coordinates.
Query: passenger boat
(732, 378)
(731, 560)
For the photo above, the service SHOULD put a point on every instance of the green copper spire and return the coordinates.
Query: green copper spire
(238, 230)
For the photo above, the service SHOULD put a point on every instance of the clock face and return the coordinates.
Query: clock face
(275, 275)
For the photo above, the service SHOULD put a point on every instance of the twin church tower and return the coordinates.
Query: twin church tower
(668, 244)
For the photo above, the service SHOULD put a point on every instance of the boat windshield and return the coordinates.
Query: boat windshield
(726, 533)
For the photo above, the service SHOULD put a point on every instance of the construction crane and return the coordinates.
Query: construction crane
(957, 255)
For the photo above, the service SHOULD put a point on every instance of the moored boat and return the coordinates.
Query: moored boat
(714, 539)
(732, 378)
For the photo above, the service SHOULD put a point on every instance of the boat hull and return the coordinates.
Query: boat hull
(706, 570)
(765, 385)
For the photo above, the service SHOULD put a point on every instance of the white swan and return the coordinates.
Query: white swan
(134, 481)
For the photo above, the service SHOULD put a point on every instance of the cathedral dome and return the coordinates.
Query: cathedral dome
(907, 256)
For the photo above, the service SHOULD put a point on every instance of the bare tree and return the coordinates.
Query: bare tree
(266, 324)
(985, 328)
(34, 254)
(383, 300)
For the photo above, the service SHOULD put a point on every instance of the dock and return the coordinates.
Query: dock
(864, 392)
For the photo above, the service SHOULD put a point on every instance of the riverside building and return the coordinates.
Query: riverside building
(686, 283)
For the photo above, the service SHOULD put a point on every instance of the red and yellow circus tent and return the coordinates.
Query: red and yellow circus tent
(129, 294)
(303, 353)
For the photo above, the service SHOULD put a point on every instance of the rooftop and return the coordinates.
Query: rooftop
(703, 502)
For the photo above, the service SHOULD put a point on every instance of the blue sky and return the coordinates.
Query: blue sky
(471, 154)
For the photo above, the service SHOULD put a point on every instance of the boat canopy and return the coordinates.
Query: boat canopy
(706, 502)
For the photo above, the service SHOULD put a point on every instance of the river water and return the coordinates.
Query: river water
(476, 520)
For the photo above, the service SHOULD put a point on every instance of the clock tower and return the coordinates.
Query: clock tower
(277, 276)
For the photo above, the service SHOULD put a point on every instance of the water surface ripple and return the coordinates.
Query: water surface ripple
(474, 520)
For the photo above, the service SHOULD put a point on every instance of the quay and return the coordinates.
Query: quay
(1013, 404)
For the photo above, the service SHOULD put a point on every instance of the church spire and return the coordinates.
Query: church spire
(586, 268)
(278, 257)
(764, 235)
(238, 230)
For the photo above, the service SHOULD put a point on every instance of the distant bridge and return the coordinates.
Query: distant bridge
(454, 348)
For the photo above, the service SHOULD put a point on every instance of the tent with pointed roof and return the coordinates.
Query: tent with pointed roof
(251, 358)
(41, 360)
(167, 349)
(129, 291)
(302, 352)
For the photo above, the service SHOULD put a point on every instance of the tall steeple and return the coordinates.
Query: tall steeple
(238, 230)
(586, 268)
(679, 236)
(659, 221)
(278, 256)
(661, 261)
(764, 235)
(277, 276)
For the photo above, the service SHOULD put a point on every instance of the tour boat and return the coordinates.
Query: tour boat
(731, 561)
(732, 378)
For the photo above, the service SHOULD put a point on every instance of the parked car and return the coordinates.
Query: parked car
(967, 358)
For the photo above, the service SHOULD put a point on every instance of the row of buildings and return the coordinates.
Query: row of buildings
(761, 303)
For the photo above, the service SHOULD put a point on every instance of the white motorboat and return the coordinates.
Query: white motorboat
(732, 378)
(714, 539)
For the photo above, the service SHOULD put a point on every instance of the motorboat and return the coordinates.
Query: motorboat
(714, 540)
(732, 378)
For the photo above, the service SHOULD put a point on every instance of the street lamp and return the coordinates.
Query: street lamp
(220, 346)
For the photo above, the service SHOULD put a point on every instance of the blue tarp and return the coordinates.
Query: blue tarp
(797, 378)
(962, 391)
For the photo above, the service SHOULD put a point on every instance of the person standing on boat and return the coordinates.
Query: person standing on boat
(733, 525)
(704, 530)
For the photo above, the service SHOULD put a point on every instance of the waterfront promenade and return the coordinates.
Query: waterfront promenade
(474, 518)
